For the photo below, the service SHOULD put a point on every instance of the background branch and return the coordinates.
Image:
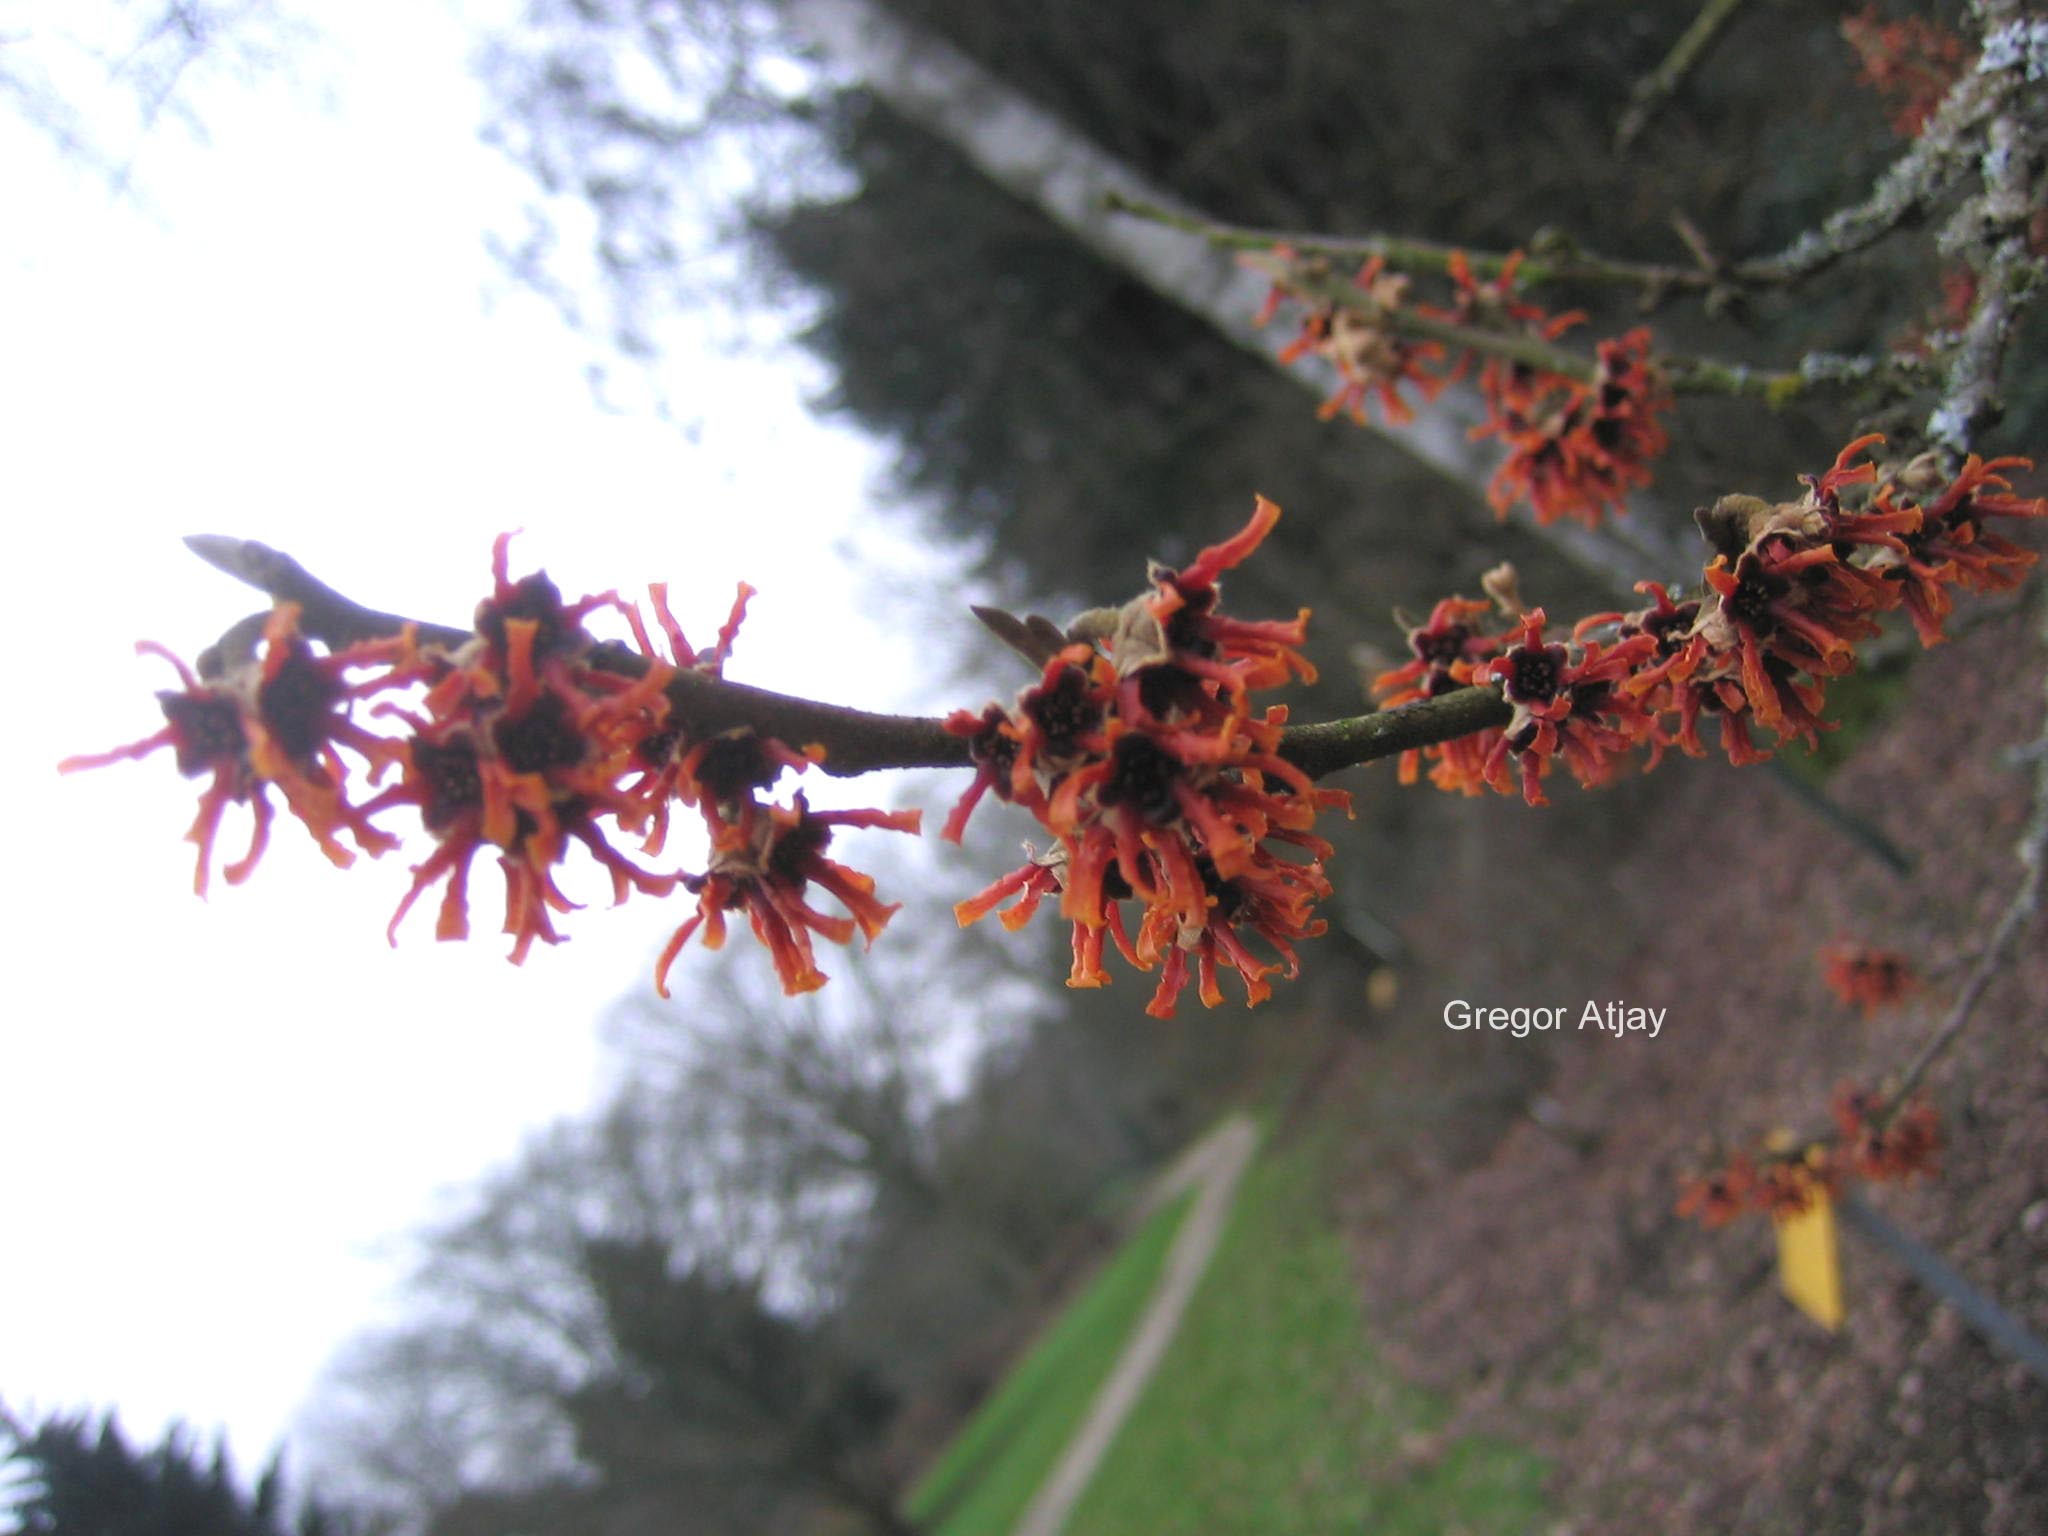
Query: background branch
(2024, 906)
(1554, 258)
(1908, 187)
(1993, 231)
(1685, 375)
(1657, 87)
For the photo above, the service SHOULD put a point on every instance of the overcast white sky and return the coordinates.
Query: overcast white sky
(218, 1119)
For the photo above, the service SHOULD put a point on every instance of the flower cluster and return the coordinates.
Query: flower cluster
(278, 721)
(523, 739)
(517, 746)
(1874, 1139)
(1497, 308)
(1446, 653)
(1139, 751)
(1911, 63)
(1371, 357)
(1575, 447)
(764, 861)
(1791, 591)
(1865, 977)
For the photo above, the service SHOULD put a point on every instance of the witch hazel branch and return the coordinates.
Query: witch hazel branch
(1184, 825)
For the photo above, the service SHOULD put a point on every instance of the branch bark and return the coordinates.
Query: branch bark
(1993, 230)
(1920, 177)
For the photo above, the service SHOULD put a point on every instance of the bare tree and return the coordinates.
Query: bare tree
(99, 78)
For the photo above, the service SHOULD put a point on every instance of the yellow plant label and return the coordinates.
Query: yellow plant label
(1809, 1262)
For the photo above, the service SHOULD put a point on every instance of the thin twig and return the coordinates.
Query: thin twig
(2032, 851)
(1858, 829)
(1556, 259)
(1335, 744)
(1994, 1322)
(1657, 87)
(2026, 902)
(1684, 375)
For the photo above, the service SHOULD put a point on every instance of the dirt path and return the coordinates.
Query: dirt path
(1214, 1165)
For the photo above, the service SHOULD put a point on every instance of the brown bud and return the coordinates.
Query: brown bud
(1504, 585)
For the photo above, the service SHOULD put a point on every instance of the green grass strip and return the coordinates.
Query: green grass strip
(988, 1475)
(1272, 1415)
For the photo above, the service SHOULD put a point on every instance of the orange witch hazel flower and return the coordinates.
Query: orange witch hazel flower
(764, 865)
(529, 747)
(1791, 592)
(522, 740)
(1139, 750)
(1876, 1139)
(1719, 1196)
(1447, 652)
(1886, 1144)
(1867, 977)
(764, 857)
(1372, 360)
(518, 749)
(1509, 389)
(1567, 704)
(1573, 450)
(1953, 544)
(1576, 450)
(704, 772)
(276, 720)
(1775, 1183)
